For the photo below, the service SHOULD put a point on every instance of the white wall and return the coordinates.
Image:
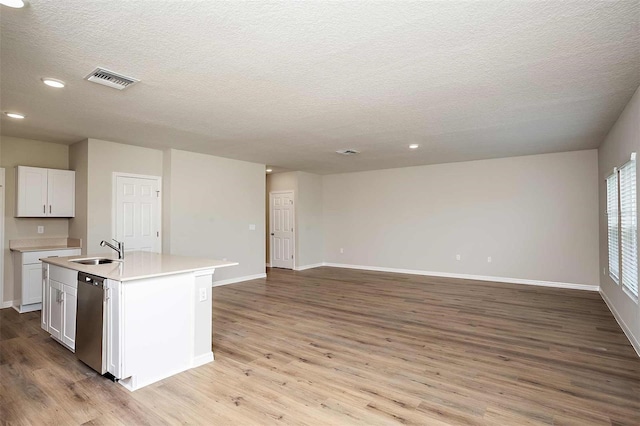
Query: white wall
(623, 139)
(536, 216)
(213, 201)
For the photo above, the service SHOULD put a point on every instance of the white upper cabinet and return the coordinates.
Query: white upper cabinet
(45, 192)
(32, 192)
(61, 191)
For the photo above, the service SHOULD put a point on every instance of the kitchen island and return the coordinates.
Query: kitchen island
(157, 312)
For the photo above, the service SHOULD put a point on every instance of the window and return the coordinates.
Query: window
(612, 225)
(622, 226)
(629, 227)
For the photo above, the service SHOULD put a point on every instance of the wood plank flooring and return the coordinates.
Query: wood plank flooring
(334, 346)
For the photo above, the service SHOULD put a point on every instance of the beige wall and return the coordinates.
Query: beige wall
(213, 202)
(79, 161)
(623, 139)
(307, 188)
(104, 158)
(26, 152)
(309, 224)
(536, 216)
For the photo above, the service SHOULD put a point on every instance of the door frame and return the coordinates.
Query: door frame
(295, 226)
(114, 195)
(2, 207)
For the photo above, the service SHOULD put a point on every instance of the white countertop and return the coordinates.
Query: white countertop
(45, 244)
(139, 265)
(43, 248)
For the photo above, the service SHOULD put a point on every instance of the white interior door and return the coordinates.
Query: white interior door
(282, 229)
(137, 213)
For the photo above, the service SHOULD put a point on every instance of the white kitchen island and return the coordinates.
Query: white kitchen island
(158, 312)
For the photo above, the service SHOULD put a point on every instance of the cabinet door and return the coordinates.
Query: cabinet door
(113, 328)
(69, 307)
(56, 291)
(31, 283)
(44, 313)
(61, 193)
(32, 192)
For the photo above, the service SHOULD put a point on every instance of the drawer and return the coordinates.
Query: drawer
(63, 275)
(35, 256)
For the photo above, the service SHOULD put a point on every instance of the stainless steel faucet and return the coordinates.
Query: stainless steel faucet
(119, 249)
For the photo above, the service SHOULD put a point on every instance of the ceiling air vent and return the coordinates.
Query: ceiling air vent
(111, 79)
(348, 152)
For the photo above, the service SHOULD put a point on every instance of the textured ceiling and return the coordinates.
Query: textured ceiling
(288, 83)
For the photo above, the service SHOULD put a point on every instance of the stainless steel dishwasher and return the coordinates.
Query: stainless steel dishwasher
(90, 322)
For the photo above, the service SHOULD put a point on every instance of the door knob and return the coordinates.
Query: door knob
(272, 233)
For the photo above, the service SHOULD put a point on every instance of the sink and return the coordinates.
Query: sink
(95, 261)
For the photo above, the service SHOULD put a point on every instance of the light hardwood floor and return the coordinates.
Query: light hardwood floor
(340, 347)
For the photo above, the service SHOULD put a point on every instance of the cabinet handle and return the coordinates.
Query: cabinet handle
(49, 208)
(44, 208)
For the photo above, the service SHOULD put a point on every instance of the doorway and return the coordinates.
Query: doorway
(136, 211)
(282, 229)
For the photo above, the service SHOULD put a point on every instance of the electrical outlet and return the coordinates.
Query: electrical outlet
(489, 259)
(203, 294)
(458, 257)
(252, 227)
(341, 250)
(40, 229)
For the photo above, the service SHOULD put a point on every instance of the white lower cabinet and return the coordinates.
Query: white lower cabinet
(114, 334)
(31, 283)
(60, 292)
(56, 291)
(29, 276)
(69, 307)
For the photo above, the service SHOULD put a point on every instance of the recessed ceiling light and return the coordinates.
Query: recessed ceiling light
(15, 115)
(53, 82)
(269, 170)
(414, 146)
(16, 4)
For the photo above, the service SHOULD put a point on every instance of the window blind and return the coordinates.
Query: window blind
(612, 225)
(629, 227)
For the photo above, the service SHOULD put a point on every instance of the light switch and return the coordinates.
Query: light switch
(252, 227)
(40, 229)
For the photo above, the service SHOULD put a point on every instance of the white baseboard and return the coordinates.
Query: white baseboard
(28, 308)
(634, 342)
(238, 280)
(202, 359)
(469, 277)
(7, 304)
(305, 267)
